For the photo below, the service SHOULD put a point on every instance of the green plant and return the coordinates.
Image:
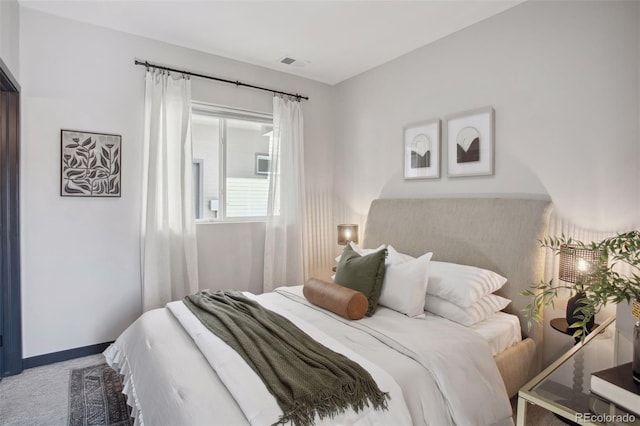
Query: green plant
(601, 286)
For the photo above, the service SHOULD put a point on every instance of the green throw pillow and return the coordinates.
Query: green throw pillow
(362, 273)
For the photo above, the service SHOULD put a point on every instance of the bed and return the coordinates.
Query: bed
(465, 379)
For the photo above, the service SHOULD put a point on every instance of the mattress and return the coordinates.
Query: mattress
(501, 331)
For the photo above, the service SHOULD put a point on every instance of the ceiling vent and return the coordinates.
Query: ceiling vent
(290, 61)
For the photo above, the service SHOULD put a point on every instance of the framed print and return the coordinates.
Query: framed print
(470, 143)
(422, 150)
(263, 164)
(90, 164)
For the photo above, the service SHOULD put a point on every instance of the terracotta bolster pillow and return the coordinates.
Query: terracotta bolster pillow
(340, 300)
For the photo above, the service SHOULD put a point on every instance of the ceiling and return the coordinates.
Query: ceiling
(332, 40)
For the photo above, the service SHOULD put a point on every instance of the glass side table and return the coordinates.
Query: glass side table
(563, 387)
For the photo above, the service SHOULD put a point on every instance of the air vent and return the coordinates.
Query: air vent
(298, 63)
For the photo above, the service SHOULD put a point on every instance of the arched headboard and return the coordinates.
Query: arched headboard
(492, 233)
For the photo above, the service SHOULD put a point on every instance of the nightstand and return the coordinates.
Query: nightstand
(561, 325)
(563, 387)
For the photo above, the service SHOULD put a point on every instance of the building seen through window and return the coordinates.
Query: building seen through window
(231, 164)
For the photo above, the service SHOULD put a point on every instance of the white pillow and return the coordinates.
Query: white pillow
(479, 311)
(361, 251)
(396, 257)
(405, 285)
(463, 285)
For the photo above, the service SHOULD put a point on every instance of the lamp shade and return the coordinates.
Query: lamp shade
(347, 233)
(577, 262)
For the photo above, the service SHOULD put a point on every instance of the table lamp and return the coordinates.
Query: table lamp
(347, 233)
(577, 263)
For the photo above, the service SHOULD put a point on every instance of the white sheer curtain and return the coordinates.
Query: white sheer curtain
(169, 252)
(284, 257)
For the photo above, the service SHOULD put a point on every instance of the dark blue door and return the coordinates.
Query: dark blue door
(10, 312)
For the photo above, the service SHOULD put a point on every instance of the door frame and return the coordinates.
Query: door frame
(10, 300)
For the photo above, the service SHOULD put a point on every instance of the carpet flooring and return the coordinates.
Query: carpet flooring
(40, 397)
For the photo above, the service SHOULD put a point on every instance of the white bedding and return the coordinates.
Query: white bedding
(501, 331)
(169, 381)
(166, 379)
(253, 397)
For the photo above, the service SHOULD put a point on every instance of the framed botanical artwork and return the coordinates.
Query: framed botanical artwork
(422, 150)
(90, 164)
(470, 143)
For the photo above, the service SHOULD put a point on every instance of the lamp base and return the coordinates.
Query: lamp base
(573, 316)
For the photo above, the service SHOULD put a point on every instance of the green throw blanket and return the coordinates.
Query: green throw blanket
(305, 377)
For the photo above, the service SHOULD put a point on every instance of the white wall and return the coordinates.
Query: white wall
(624, 320)
(238, 244)
(10, 36)
(80, 258)
(563, 78)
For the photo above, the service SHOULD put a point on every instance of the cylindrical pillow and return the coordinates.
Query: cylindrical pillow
(340, 300)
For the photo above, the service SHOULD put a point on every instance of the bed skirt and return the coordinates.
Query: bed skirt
(118, 361)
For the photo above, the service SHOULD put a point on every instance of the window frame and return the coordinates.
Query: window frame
(198, 164)
(224, 113)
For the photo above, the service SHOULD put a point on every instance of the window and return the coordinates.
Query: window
(231, 163)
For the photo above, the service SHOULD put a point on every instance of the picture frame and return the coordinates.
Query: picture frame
(90, 164)
(470, 142)
(263, 164)
(421, 142)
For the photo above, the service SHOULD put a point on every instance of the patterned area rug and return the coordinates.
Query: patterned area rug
(95, 398)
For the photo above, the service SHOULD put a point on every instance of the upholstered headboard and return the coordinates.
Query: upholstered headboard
(492, 233)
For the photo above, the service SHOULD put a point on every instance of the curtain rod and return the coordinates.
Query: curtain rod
(223, 80)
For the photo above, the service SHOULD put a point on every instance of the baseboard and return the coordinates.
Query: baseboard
(37, 361)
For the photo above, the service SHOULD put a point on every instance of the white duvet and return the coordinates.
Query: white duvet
(437, 373)
(253, 397)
